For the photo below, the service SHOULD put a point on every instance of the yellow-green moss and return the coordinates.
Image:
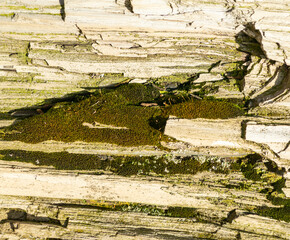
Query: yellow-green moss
(210, 109)
(121, 165)
(19, 7)
(180, 78)
(23, 55)
(153, 210)
(7, 14)
(118, 108)
(279, 213)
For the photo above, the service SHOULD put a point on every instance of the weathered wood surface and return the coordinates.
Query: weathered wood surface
(225, 49)
(76, 205)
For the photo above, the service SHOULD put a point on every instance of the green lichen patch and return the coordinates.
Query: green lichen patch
(21, 78)
(18, 50)
(210, 109)
(53, 7)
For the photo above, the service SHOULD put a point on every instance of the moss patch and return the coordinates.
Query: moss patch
(6, 116)
(132, 124)
(10, 15)
(174, 78)
(205, 109)
(113, 107)
(17, 7)
(254, 168)
(121, 165)
(153, 210)
(282, 213)
(23, 55)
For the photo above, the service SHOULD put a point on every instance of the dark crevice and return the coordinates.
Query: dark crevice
(48, 104)
(158, 122)
(128, 5)
(249, 41)
(81, 32)
(244, 128)
(285, 148)
(216, 64)
(22, 215)
(62, 10)
(281, 87)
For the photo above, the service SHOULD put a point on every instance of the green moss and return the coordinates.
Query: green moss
(240, 185)
(121, 165)
(205, 109)
(17, 7)
(111, 107)
(117, 107)
(278, 198)
(137, 93)
(250, 172)
(271, 176)
(180, 78)
(153, 210)
(235, 70)
(249, 168)
(130, 207)
(61, 160)
(8, 15)
(6, 116)
(279, 213)
(23, 55)
(181, 212)
(53, 7)
(132, 166)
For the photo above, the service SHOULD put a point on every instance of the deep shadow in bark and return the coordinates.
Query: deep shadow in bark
(62, 10)
(22, 215)
(249, 41)
(128, 5)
